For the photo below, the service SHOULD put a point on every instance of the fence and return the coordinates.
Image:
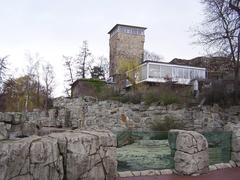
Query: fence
(155, 150)
(143, 150)
(219, 146)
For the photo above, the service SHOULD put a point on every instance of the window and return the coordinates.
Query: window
(186, 74)
(180, 72)
(192, 74)
(144, 72)
(166, 71)
(129, 30)
(154, 71)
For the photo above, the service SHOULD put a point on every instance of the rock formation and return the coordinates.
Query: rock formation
(112, 115)
(191, 153)
(89, 155)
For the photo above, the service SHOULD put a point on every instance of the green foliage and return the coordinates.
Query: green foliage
(97, 84)
(108, 93)
(158, 95)
(163, 97)
(16, 92)
(131, 98)
(165, 124)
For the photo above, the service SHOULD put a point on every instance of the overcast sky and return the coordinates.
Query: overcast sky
(56, 27)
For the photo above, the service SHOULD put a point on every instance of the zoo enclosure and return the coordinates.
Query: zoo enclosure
(139, 151)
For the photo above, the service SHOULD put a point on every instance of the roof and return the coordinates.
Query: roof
(126, 26)
(171, 64)
(86, 80)
(213, 64)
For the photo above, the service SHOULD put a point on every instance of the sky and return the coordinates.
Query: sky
(53, 28)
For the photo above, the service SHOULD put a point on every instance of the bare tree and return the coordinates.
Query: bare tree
(69, 64)
(32, 73)
(84, 60)
(78, 66)
(151, 56)
(219, 33)
(235, 5)
(48, 79)
(219, 30)
(104, 65)
(3, 68)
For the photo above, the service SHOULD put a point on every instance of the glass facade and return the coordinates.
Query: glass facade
(160, 72)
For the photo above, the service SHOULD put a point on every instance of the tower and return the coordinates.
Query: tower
(126, 43)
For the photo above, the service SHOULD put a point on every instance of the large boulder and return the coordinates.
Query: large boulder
(89, 155)
(191, 153)
(30, 158)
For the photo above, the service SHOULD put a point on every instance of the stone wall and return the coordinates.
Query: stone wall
(113, 115)
(86, 155)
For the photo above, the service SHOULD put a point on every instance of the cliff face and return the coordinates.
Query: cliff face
(213, 64)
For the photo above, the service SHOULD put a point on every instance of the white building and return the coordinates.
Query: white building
(158, 72)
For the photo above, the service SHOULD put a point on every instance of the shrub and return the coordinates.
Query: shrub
(220, 93)
(108, 92)
(97, 84)
(163, 97)
(150, 98)
(165, 124)
(134, 98)
(168, 98)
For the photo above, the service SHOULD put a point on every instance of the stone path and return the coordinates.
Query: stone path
(225, 174)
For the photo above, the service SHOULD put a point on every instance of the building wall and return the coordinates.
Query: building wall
(125, 46)
(87, 88)
(82, 89)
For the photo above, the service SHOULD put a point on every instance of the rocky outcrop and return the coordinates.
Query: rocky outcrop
(191, 153)
(59, 156)
(115, 116)
(118, 116)
(30, 158)
(18, 124)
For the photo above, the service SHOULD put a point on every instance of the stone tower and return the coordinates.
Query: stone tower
(126, 42)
